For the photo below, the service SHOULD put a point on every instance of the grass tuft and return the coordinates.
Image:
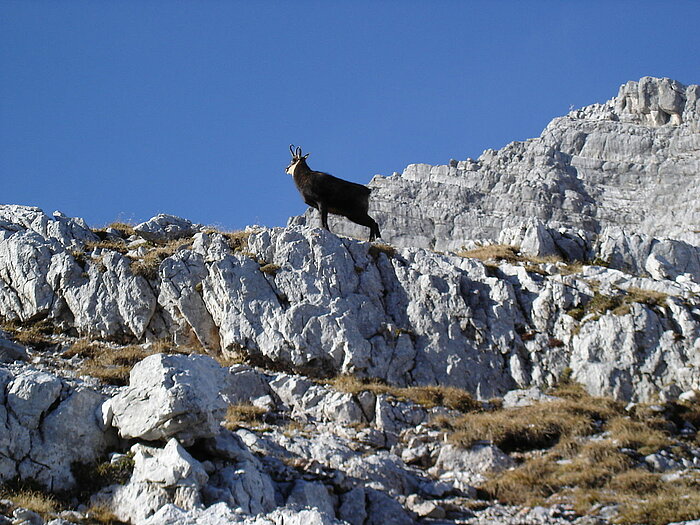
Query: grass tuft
(426, 396)
(112, 365)
(148, 265)
(243, 415)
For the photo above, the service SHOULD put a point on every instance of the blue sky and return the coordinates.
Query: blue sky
(120, 110)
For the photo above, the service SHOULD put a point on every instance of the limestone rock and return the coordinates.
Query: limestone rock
(170, 395)
(164, 227)
(469, 466)
(525, 397)
(67, 231)
(160, 477)
(41, 418)
(11, 351)
(312, 494)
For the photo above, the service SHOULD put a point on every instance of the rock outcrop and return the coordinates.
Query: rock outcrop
(312, 302)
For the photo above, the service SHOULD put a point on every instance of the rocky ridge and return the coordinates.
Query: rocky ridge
(557, 295)
(631, 162)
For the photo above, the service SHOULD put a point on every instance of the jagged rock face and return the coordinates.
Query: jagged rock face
(631, 162)
(307, 300)
(42, 417)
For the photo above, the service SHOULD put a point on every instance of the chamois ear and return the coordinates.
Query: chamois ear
(305, 156)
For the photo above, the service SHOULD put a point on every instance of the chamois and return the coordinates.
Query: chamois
(329, 194)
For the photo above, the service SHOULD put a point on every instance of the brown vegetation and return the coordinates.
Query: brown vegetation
(243, 416)
(426, 396)
(113, 364)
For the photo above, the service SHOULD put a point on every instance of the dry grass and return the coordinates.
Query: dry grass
(598, 473)
(641, 436)
(377, 248)
(243, 416)
(620, 304)
(270, 269)
(112, 365)
(494, 252)
(114, 246)
(237, 241)
(126, 230)
(40, 502)
(102, 514)
(148, 265)
(38, 334)
(534, 427)
(426, 396)
(584, 472)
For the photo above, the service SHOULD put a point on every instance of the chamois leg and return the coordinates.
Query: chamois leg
(366, 220)
(324, 215)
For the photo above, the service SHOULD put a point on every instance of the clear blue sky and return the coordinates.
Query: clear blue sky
(120, 110)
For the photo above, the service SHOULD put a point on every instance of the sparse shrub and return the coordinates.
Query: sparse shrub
(270, 269)
(91, 478)
(113, 364)
(426, 396)
(148, 265)
(377, 248)
(237, 241)
(494, 252)
(243, 415)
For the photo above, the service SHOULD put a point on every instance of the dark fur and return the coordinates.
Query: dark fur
(329, 194)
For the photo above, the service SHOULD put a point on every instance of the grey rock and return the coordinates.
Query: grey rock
(41, 417)
(67, 231)
(307, 399)
(313, 495)
(161, 476)
(170, 395)
(425, 508)
(661, 462)
(383, 471)
(11, 351)
(467, 467)
(164, 227)
(243, 485)
(525, 397)
(245, 384)
(26, 517)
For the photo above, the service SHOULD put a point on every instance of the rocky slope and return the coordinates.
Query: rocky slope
(369, 378)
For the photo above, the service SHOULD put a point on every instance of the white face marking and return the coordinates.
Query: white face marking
(292, 167)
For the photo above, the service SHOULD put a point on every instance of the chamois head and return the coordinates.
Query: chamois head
(296, 158)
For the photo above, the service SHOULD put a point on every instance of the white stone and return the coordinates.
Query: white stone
(171, 395)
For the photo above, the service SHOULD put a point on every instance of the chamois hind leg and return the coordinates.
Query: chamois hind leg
(324, 215)
(366, 220)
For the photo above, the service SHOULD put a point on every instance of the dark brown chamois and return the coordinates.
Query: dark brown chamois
(329, 194)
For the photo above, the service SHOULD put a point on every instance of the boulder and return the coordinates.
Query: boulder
(170, 396)
(11, 351)
(41, 419)
(160, 477)
(163, 228)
